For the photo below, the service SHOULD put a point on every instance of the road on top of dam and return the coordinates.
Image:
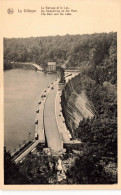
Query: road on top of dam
(54, 139)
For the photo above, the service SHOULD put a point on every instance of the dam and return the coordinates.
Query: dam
(50, 128)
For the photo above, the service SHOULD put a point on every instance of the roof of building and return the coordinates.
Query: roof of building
(51, 63)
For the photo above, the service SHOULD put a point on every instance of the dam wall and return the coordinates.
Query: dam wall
(75, 104)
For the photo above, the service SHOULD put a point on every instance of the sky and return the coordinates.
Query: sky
(91, 16)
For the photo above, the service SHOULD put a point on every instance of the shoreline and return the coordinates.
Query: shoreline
(24, 65)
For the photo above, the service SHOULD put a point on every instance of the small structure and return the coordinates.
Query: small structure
(73, 145)
(62, 78)
(51, 67)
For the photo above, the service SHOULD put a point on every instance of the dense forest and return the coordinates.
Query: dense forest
(70, 49)
(98, 78)
(96, 57)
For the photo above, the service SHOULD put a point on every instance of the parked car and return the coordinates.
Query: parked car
(37, 111)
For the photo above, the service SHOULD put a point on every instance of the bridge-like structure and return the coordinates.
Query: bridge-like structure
(39, 68)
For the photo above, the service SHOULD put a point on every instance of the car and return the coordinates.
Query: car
(36, 122)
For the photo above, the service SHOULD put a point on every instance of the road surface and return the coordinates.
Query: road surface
(54, 139)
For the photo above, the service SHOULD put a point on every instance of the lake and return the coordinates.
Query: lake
(22, 89)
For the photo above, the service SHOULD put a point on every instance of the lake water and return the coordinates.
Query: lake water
(22, 89)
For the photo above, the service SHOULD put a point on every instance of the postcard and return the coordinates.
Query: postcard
(60, 101)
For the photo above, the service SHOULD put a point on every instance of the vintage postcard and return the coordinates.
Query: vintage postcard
(60, 67)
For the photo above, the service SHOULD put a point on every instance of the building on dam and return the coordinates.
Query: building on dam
(51, 67)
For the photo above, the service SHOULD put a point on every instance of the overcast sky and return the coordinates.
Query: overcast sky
(92, 16)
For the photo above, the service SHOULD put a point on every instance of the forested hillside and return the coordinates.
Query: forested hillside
(75, 50)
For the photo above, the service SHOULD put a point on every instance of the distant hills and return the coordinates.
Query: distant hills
(74, 49)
